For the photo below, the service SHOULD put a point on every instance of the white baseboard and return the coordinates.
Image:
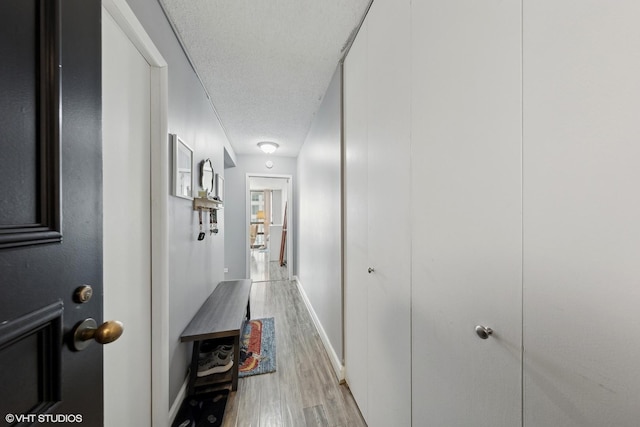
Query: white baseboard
(336, 363)
(175, 407)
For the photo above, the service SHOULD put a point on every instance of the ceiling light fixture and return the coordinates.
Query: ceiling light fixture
(268, 146)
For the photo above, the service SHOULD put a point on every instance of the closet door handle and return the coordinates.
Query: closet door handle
(370, 270)
(484, 332)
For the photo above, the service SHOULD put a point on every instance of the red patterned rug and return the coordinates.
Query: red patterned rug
(258, 347)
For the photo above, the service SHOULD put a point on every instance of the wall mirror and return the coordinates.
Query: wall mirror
(206, 176)
(182, 168)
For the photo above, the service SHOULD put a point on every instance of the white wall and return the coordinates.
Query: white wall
(318, 233)
(235, 206)
(195, 267)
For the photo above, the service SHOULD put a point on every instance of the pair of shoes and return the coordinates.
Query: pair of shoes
(209, 346)
(214, 363)
(217, 361)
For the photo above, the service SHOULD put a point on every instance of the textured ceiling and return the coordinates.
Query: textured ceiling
(265, 63)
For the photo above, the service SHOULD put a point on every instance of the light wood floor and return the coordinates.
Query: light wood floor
(304, 390)
(263, 269)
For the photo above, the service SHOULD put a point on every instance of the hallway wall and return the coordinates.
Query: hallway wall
(318, 229)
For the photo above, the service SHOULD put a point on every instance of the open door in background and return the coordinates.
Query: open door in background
(267, 198)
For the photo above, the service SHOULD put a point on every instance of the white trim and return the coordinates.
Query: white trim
(175, 406)
(127, 21)
(336, 363)
(290, 220)
(160, 247)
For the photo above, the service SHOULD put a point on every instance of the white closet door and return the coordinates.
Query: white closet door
(582, 213)
(389, 241)
(356, 220)
(466, 213)
(377, 267)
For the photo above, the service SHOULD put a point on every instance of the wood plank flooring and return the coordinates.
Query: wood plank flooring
(263, 269)
(304, 390)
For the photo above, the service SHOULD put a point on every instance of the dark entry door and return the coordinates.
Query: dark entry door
(50, 210)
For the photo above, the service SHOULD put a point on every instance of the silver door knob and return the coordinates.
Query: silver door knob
(483, 332)
(370, 270)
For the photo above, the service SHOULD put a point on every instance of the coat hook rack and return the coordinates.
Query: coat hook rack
(203, 205)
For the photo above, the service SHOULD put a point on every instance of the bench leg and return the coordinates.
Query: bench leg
(195, 357)
(236, 362)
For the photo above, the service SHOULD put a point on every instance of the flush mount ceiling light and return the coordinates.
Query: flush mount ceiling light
(268, 146)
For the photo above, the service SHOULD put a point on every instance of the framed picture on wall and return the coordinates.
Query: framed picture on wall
(182, 168)
(219, 187)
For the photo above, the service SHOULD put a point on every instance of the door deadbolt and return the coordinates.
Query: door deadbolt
(83, 294)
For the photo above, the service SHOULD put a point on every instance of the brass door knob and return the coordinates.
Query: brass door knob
(88, 330)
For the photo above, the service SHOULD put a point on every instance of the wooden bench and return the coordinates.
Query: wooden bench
(222, 316)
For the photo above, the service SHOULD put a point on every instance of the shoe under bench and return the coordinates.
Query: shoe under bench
(221, 317)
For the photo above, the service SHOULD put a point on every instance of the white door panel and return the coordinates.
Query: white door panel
(389, 242)
(127, 226)
(377, 232)
(466, 213)
(581, 201)
(356, 220)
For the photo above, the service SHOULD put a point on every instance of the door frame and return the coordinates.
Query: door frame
(159, 199)
(290, 219)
